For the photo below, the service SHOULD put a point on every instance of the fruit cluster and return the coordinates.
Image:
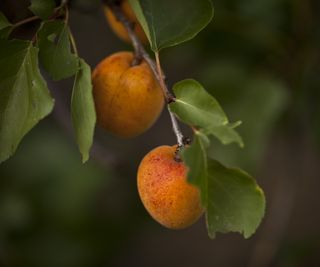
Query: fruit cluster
(128, 100)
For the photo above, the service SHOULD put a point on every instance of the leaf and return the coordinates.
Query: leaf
(24, 96)
(235, 202)
(4, 33)
(195, 157)
(5, 27)
(198, 108)
(232, 199)
(168, 23)
(258, 100)
(83, 110)
(42, 8)
(55, 53)
(226, 134)
(4, 23)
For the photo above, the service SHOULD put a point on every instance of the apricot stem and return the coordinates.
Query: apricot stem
(169, 97)
(73, 43)
(71, 37)
(115, 6)
(175, 125)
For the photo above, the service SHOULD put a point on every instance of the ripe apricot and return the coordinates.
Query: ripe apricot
(119, 29)
(164, 190)
(128, 99)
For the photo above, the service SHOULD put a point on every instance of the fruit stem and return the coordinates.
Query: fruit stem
(115, 6)
(73, 43)
(169, 98)
(71, 37)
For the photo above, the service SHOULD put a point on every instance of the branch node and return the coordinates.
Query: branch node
(170, 98)
(186, 140)
(177, 156)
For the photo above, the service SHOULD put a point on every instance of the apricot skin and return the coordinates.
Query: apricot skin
(128, 99)
(164, 190)
(119, 29)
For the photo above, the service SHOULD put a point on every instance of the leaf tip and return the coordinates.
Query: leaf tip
(241, 143)
(85, 158)
(248, 234)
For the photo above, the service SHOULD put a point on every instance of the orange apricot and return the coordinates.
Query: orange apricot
(164, 190)
(128, 99)
(119, 29)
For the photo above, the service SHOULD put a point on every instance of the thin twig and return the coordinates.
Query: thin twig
(66, 10)
(141, 53)
(73, 43)
(176, 129)
(129, 25)
(175, 125)
(33, 18)
(71, 37)
(27, 20)
(169, 97)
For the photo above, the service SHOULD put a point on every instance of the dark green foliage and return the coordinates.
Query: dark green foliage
(168, 23)
(24, 96)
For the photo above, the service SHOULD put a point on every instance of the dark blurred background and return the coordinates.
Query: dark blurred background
(261, 60)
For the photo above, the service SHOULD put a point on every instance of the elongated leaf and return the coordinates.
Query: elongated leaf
(198, 108)
(83, 110)
(42, 8)
(24, 96)
(55, 54)
(168, 23)
(195, 157)
(235, 202)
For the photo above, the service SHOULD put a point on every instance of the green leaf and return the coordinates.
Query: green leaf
(198, 108)
(258, 100)
(42, 8)
(225, 133)
(4, 23)
(195, 157)
(24, 96)
(4, 33)
(235, 202)
(5, 27)
(232, 199)
(168, 23)
(83, 110)
(55, 53)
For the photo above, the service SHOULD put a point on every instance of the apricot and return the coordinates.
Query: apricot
(128, 99)
(119, 29)
(164, 190)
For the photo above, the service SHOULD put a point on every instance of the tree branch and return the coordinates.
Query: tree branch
(30, 19)
(141, 53)
(175, 125)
